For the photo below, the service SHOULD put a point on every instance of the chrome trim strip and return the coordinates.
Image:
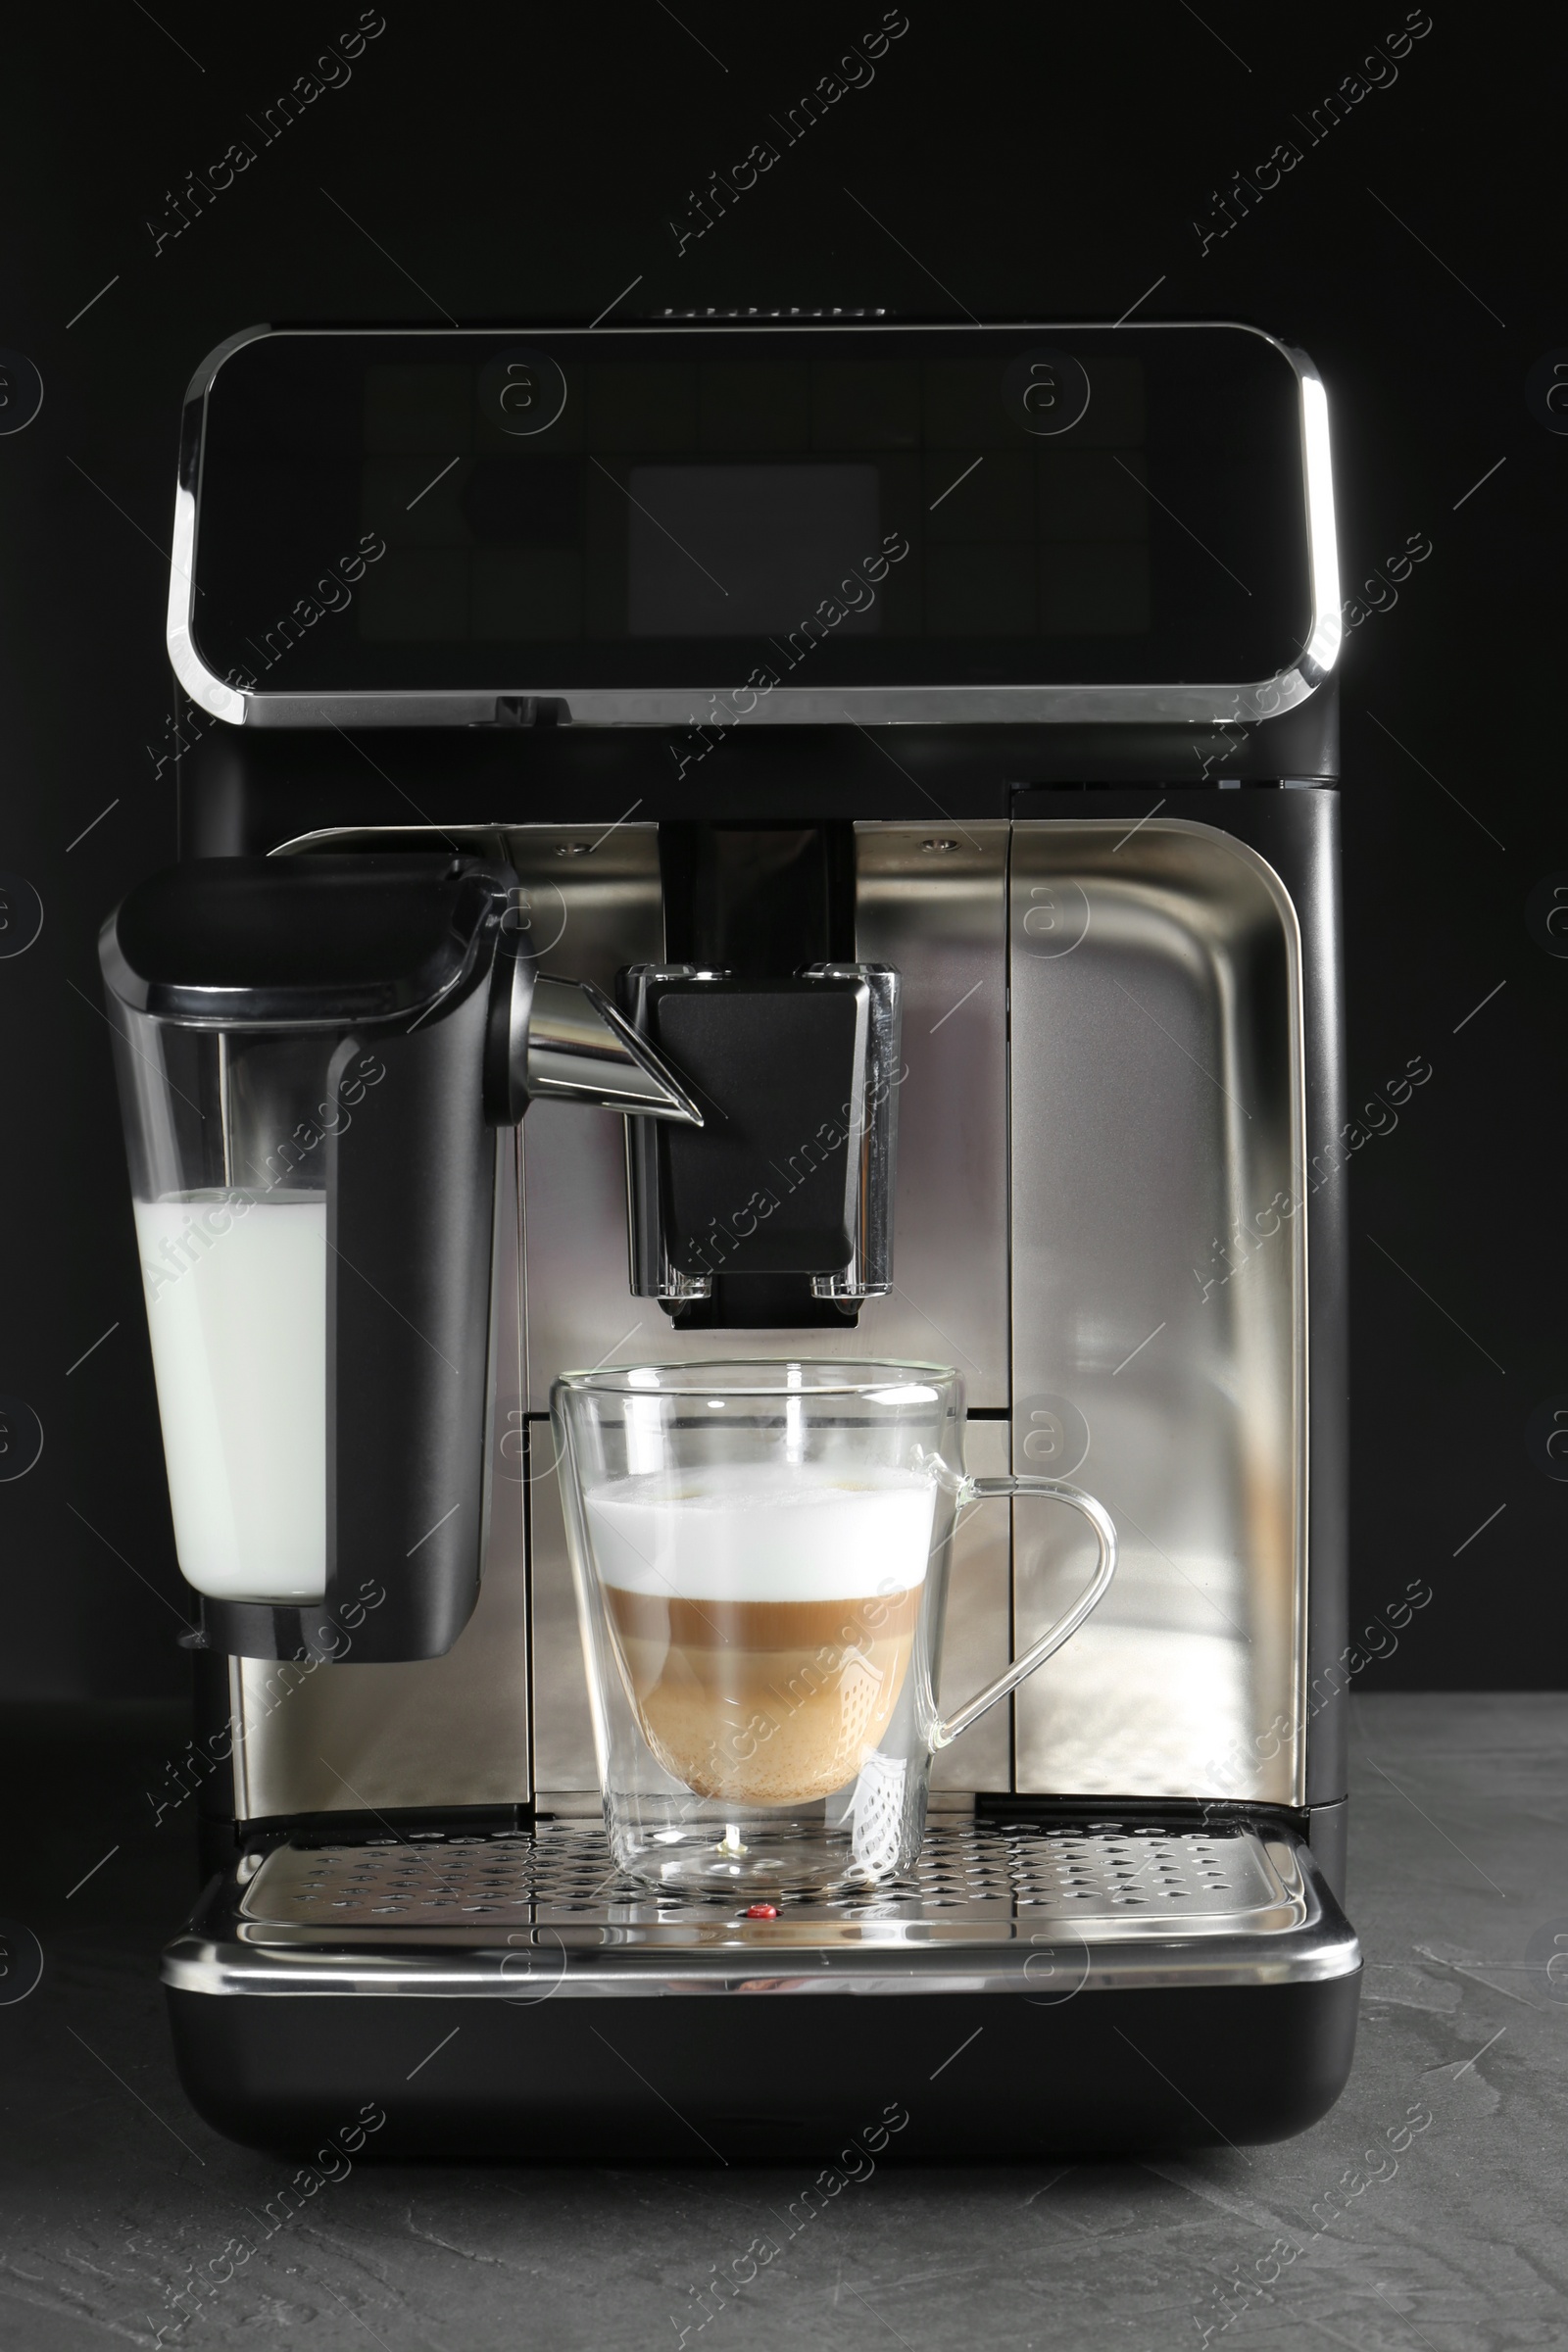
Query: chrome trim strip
(207, 692)
(867, 705)
(195, 1964)
(201, 383)
(1322, 542)
(802, 707)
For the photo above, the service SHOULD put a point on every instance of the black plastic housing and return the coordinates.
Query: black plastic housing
(703, 2081)
(247, 789)
(782, 1058)
(408, 1341)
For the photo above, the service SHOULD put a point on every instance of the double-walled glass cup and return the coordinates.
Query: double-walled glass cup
(761, 1553)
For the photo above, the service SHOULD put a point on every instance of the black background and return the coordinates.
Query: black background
(504, 168)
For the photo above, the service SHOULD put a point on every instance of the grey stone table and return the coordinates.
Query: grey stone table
(1426, 2211)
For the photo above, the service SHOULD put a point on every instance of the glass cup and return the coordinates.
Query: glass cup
(761, 1553)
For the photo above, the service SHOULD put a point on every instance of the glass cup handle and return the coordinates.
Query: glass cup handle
(985, 1490)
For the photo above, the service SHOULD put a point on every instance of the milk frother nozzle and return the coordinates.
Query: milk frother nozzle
(562, 1041)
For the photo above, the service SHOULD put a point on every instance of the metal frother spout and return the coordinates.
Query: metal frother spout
(562, 1041)
(580, 1049)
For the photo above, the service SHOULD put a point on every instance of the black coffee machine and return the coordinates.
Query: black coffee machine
(662, 732)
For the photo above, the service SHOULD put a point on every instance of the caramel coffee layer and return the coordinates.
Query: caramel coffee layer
(764, 1702)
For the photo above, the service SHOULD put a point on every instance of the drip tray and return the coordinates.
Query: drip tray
(1028, 1906)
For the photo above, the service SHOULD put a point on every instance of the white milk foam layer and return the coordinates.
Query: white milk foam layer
(781, 1530)
(237, 1308)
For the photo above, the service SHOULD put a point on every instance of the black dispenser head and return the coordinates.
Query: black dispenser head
(781, 1217)
(314, 1054)
(778, 1212)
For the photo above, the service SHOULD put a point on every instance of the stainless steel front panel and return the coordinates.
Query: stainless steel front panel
(1157, 1107)
(563, 1727)
(594, 906)
(1073, 1254)
(932, 903)
(931, 900)
(1041, 1910)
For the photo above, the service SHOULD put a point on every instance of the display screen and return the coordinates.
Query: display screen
(674, 507)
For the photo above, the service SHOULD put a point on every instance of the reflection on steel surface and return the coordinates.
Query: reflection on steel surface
(1155, 1063)
(1157, 1107)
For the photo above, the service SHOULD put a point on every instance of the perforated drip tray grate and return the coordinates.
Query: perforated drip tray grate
(1037, 1907)
(1130, 1880)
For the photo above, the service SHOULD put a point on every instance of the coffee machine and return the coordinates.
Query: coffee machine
(867, 792)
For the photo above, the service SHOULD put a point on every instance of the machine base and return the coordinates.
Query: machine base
(1037, 1986)
(987, 2077)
